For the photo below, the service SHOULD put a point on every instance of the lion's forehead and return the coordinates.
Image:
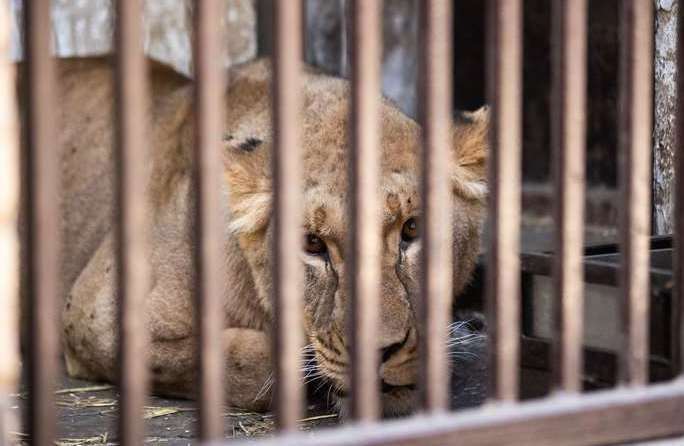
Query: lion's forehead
(326, 206)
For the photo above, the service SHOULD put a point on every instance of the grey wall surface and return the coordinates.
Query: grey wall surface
(326, 45)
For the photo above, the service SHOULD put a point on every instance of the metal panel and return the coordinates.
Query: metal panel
(636, 85)
(569, 89)
(437, 290)
(131, 226)
(678, 295)
(208, 168)
(503, 264)
(364, 259)
(287, 236)
(612, 417)
(41, 177)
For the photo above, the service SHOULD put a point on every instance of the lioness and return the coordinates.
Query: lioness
(89, 315)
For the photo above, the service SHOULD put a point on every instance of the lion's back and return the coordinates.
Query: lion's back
(85, 126)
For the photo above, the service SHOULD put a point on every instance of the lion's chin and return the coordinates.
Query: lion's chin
(397, 401)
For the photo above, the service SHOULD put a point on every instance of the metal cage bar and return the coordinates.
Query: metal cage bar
(635, 133)
(9, 243)
(131, 225)
(605, 417)
(569, 90)
(208, 167)
(504, 46)
(677, 350)
(364, 261)
(598, 418)
(287, 235)
(437, 290)
(41, 186)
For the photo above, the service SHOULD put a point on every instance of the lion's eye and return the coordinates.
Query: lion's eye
(409, 232)
(314, 245)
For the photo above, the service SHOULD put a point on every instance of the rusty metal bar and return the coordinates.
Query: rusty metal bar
(41, 177)
(504, 34)
(677, 348)
(131, 227)
(635, 102)
(209, 276)
(598, 418)
(287, 236)
(570, 54)
(437, 245)
(9, 243)
(364, 263)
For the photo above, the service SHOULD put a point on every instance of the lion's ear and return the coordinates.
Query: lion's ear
(247, 172)
(470, 138)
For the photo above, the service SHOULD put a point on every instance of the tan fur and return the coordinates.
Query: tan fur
(90, 307)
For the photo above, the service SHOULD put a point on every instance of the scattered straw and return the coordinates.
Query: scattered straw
(318, 417)
(99, 439)
(154, 412)
(84, 389)
(88, 402)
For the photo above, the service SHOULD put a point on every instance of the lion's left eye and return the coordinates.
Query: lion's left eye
(314, 245)
(410, 230)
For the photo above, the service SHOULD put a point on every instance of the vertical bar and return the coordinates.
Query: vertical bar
(437, 290)
(678, 233)
(364, 263)
(570, 51)
(209, 276)
(41, 173)
(287, 212)
(503, 265)
(131, 227)
(9, 244)
(636, 75)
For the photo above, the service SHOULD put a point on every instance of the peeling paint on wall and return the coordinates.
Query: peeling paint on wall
(84, 27)
(665, 107)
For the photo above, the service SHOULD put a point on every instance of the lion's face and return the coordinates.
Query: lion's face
(326, 231)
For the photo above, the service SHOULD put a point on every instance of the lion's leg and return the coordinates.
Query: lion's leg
(90, 334)
(89, 319)
(247, 375)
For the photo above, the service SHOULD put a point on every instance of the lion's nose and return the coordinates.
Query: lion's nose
(390, 350)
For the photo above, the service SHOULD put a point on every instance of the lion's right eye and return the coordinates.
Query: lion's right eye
(314, 245)
(409, 232)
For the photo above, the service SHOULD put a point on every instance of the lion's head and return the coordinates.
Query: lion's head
(326, 220)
